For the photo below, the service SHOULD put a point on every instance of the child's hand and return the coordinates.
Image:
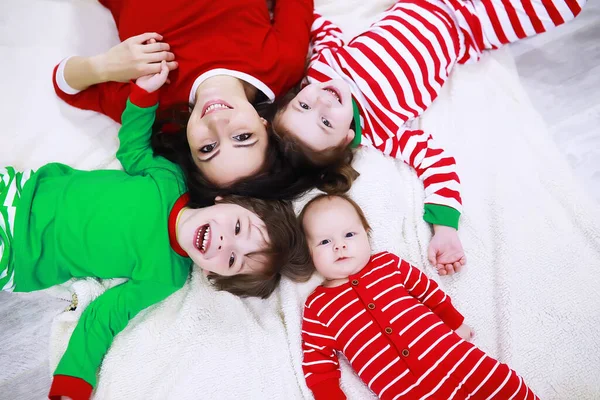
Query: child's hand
(153, 82)
(445, 250)
(135, 57)
(465, 332)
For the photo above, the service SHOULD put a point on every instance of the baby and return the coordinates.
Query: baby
(398, 329)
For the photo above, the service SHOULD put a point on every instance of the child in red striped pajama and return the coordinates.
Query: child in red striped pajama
(370, 91)
(398, 329)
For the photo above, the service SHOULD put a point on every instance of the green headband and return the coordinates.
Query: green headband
(357, 129)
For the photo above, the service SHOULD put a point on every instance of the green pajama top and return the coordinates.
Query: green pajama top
(104, 224)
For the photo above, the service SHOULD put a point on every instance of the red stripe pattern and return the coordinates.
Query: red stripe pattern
(397, 68)
(395, 326)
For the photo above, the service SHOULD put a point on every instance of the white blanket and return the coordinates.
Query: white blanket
(530, 233)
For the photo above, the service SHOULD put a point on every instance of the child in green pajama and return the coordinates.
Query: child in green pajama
(58, 223)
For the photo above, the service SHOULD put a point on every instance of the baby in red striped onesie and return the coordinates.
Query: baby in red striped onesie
(398, 329)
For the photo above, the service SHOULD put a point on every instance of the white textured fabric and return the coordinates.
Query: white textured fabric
(530, 232)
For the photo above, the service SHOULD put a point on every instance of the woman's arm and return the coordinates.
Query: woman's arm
(98, 83)
(137, 56)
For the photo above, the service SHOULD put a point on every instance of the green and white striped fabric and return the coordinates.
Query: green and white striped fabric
(11, 187)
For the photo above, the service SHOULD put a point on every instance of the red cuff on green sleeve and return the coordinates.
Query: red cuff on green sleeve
(441, 215)
(142, 98)
(75, 388)
(449, 315)
(328, 390)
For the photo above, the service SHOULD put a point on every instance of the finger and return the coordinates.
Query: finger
(145, 37)
(442, 272)
(164, 70)
(172, 65)
(151, 69)
(150, 41)
(160, 56)
(431, 255)
(457, 266)
(156, 47)
(463, 260)
(450, 269)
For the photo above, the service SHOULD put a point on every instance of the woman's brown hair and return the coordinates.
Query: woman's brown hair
(286, 174)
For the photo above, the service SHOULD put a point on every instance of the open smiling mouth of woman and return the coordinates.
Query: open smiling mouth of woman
(215, 105)
(203, 237)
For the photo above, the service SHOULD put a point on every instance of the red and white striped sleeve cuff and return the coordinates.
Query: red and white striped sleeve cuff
(59, 78)
(75, 388)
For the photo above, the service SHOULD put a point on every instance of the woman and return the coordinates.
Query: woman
(230, 56)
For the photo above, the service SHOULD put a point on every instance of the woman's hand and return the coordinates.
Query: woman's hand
(153, 82)
(135, 57)
(445, 250)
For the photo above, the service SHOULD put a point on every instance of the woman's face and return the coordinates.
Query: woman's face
(228, 139)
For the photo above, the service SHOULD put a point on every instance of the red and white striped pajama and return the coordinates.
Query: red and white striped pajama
(398, 66)
(396, 327)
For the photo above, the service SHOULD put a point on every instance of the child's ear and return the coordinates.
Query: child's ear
(218, 199)
(264, 122)
(349, 137)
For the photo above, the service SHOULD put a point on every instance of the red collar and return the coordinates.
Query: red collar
(177, 207)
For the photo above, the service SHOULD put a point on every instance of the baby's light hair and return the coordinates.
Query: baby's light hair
(343, 196)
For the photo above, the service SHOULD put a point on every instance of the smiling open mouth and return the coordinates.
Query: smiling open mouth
(203, 238)
(213, 106)
(334, 92)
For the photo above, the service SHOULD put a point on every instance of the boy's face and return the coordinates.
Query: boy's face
(336, 237)
(320, 115)
(221, 238)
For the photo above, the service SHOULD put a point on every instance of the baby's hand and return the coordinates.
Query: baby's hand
(445, 250)
(465, 332)
(153, 82)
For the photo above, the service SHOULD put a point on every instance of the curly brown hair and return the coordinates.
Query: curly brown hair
(286, 255)
(330, 170)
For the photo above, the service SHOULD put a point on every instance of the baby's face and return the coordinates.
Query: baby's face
(337, 239)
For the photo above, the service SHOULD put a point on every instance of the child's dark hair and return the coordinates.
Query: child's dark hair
(331, 169)
(281, 177)
(286, 254)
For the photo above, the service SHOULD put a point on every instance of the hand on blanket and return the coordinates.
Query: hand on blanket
(445, 250)
(153, 82)
(137, 56)
(465, 332)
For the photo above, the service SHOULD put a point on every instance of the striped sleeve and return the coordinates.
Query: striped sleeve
(429, 293)
(320, 364)
(436, 169)
(324, 35)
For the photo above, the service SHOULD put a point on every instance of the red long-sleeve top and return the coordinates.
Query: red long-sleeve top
(396, 327)
(234, 37)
